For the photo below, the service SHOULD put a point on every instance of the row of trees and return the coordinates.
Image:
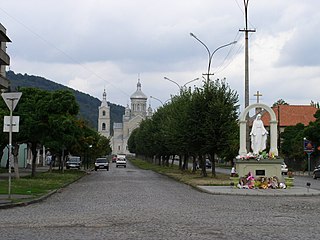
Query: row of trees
(203, 123)
(199, 124)
(51, 119)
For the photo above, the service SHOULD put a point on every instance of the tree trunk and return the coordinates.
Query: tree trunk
(15, 153)
(194, 163)
(203, 166)
(62, 161)
(167, 161)
(213, 165)
(50, 166)
(34, 159)
(180, 162)
(185, 162)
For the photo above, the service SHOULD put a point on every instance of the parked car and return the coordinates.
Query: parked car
(101, 163)
(316, 172)
(284, 169)
(73, 162)
(121, 161)
(208, 163)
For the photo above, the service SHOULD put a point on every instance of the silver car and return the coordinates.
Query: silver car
(101, 163)
(121, 161)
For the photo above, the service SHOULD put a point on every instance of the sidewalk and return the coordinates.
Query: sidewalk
(228, 190)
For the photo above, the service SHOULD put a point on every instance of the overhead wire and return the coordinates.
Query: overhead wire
(224, 63)
(230, 55)
(61, 51)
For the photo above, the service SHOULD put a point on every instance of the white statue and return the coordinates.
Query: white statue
(258, 135)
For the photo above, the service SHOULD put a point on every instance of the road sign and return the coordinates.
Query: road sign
(308, 146)
(11, 99)
(15, 123)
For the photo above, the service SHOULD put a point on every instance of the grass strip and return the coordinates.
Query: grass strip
(185, 176)
(42, 183)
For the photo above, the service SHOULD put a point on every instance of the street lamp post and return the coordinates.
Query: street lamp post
(179, 86)
(157, 99)
(210, 55)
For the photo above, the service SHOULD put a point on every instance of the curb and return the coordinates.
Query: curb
(258, 193)
(38, 199)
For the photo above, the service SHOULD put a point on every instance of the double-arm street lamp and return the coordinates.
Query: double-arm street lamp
(210, 54)
(179, 86)
(157, 99)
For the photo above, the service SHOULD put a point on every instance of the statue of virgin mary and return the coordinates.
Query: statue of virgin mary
(258, 135)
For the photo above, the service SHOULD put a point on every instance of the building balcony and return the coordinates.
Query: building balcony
(4, 82)
(4, 58)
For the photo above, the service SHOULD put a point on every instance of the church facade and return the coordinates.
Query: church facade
(130, 120)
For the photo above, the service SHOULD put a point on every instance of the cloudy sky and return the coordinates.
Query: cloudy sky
(90, 45)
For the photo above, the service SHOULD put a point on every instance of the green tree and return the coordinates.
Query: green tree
(131, 141)
(215, 106)
(312, 133)
(33, 120)
(4, 136)
(46, 118)
(280, 102)
(292, 145)
(200, 123)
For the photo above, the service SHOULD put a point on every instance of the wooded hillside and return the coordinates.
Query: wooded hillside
(88, 104)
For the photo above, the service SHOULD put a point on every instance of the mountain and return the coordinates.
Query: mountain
(88, 105)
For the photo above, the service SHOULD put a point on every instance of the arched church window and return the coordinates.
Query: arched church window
(103, 113)
(103, 126)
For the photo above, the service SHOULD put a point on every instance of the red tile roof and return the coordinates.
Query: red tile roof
(290, 115)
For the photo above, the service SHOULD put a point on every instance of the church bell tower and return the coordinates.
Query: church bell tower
(104, 117)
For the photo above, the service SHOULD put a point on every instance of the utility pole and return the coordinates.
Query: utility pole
(246, 71)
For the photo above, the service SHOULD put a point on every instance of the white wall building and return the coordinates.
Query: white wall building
(130, 120)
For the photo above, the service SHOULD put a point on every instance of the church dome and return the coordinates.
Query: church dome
(138, 94)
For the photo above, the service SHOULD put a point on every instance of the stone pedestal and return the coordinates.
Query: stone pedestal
(262, 168)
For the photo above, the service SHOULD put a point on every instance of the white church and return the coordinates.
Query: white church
(130, 120)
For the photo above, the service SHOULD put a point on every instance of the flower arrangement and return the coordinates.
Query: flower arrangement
(290, 174)
(261, 155)
(249, 182)
(248, 156)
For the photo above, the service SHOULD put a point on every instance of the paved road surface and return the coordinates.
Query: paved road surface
(129, 203)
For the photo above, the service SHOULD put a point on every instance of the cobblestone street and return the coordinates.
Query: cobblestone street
(129, 203)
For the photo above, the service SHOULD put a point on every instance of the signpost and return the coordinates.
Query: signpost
(308, 148)
(11, 99)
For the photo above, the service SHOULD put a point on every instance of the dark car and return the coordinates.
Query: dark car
(316, 172)
(101, 163)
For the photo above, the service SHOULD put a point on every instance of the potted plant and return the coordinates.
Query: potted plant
(288, 180)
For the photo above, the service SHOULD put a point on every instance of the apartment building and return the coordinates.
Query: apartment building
(4, 58)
